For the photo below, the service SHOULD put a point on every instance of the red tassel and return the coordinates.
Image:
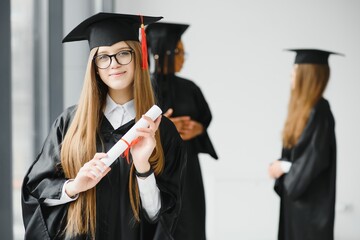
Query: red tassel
(143, 46)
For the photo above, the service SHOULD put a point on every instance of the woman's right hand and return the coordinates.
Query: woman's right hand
(88, 176)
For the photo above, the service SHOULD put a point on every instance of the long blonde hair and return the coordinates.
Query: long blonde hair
(310, 83)
(79, 145)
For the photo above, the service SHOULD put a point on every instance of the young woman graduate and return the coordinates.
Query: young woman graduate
(182, 101)
(306, 173)
(68, 193)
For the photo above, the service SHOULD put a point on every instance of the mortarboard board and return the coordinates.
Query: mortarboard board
(105, 29)
(165, 32)
(168, 30)
(312, 56)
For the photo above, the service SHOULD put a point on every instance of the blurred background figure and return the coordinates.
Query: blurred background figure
(306, 173)
(183, 102)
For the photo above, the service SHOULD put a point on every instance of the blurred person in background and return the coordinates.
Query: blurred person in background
(184, 103)
(306, 173)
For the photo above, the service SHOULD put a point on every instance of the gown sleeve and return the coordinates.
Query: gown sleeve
(44, 180)
(310, 156)
(202, 142)
(205, 113)
(170, 181)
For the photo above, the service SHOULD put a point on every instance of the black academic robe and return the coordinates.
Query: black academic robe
(186, 99)
(114, 219)
(307, 191)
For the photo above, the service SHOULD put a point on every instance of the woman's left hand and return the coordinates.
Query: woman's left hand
(191, 130)
(275, 170)
(143, 149)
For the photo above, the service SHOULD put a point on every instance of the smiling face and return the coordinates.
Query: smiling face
(119, 78)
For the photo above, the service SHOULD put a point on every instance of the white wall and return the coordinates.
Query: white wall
(235, 54)
(75, 53)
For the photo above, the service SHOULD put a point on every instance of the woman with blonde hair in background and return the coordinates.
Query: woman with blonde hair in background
(306, 173)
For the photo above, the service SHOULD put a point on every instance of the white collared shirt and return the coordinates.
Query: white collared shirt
(119, 115)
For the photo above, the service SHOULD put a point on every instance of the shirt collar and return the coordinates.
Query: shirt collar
(111, 105)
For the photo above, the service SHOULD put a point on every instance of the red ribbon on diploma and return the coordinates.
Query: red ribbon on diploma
(127, 151)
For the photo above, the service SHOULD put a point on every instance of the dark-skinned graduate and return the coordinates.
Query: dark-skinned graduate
(306, 172)
(184, 103)
(68, 192)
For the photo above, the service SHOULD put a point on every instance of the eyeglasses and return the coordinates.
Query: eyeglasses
(124, 57)
(177, 51)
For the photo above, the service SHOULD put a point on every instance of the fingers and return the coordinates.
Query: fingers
(189, 125)
(271, 171)
(182, 119)
(95, 168)
(169, 112)
(94, 171)
(90, 174)
(153, 126)
(275, 170)
(184, 137)
(181, 122)
(150, 121)
(99, 156)
(157, 122)
(145, 132)
(190, 129)
(95, 175)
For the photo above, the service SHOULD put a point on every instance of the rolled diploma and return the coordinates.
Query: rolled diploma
(121, 146)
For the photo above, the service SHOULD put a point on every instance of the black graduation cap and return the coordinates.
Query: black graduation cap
(164, 32)
(168, 30)
(312, 56)
(105, 29)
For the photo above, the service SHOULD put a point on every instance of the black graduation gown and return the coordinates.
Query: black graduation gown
(307, 191)
(186, 98)
(115, 219)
